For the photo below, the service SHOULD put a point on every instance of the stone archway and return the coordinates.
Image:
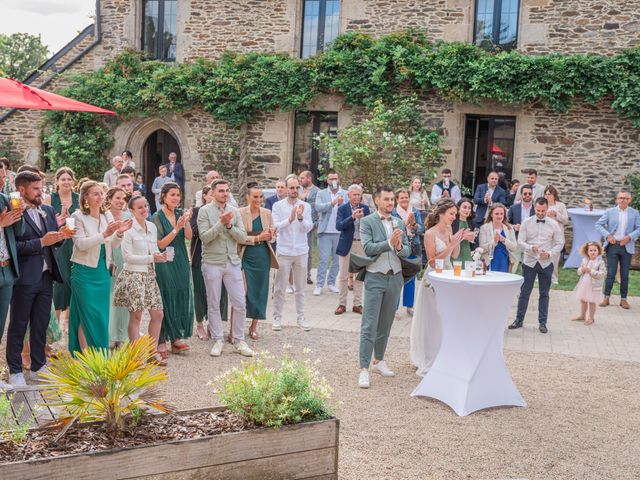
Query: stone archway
(134, 135)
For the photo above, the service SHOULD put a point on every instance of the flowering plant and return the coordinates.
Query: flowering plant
(477, 254)
(291, 392)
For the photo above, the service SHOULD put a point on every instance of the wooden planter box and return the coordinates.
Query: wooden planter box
(305, 450)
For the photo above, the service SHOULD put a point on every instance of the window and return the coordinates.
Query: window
(496, 24)
(488, 145)
(159, 29)
(306, 154)
(320, 25)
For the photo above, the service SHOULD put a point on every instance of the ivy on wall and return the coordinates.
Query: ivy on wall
(358, 67)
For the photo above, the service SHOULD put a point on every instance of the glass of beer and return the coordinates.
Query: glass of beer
(439, 265)
(15, 200)
(70, 225)
(457, 269)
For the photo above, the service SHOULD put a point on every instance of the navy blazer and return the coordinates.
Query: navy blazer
(268, 203)
(515, 214)
(178, 173)
(10, 235)
(345, 224)
(31, 255)
(499, 196)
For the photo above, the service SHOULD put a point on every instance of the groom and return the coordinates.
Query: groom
(384, 241)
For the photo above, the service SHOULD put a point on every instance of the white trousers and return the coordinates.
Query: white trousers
(297, 265)
(231, 275)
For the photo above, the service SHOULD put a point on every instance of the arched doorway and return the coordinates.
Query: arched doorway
(156, 152)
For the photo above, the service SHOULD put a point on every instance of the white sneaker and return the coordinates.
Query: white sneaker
(5, 387)
(17, 379)
(216, 351)
(289, 289)
(302, 323)
(35, 376)
(334, 289)
(363, 380)
(317, 291)
(277, 324)
(243, 349)
(382, 368)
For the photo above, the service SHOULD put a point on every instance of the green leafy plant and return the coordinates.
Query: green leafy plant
(388, 146)
(272, 396)
(633, 182)
(111, 386)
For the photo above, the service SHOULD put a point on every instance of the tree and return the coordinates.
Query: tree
(21, 54)
(388, 147)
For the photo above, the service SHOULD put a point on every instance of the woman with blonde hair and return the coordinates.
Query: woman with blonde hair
(498, 240)
(93, 241)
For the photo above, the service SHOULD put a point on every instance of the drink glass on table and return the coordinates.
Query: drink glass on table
(15, 200)
(457, 269)
(170, 253)
(439, 265)
(470, 269)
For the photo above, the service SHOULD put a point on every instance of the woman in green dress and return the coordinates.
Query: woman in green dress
(93, 240)
(257, 256)
(465, 220)
(116, 205)
(173, 277)
(64, 201)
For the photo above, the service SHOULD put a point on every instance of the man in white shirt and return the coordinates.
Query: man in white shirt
(445, 188)
(540, 238)
(532, 179)
(292, 219)
(111, 176)
(327, 203)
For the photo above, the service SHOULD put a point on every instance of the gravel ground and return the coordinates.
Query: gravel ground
(582, 421)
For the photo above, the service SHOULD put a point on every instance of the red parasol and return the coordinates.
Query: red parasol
(18, 95)
(496, 150)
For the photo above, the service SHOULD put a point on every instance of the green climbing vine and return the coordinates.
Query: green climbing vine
(361, 68)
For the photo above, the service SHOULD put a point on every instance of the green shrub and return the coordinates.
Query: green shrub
(292, 392)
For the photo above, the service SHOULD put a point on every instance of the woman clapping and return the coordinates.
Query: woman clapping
(136, 288)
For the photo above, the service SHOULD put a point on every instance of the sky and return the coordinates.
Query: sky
(56, 21)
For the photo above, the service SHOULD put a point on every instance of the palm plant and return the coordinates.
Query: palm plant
(111, 386)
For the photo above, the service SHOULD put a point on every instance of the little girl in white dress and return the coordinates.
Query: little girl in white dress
(589, 288)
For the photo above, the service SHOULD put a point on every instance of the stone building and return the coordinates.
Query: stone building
(586, 151)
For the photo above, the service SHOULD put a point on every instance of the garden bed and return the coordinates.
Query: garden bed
(209, 443)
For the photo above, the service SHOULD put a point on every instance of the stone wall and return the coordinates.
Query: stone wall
(579, 26)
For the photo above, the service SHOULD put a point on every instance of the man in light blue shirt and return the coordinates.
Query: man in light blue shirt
(327, 203)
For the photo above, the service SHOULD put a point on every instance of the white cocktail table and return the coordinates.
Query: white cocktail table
(469, 372)
(584, 230)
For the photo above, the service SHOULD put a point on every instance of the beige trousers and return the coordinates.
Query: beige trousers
(343, 277)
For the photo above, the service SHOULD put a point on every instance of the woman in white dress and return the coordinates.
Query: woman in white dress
(440, 244)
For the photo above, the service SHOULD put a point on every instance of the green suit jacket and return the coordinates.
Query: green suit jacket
(10, 234)
(374, 242)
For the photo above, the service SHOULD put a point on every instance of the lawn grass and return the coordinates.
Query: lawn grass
(568, 279)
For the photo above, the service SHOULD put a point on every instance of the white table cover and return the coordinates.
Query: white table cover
(469, 372)
(584, 230)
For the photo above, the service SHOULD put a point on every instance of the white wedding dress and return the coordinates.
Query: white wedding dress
(426, 328)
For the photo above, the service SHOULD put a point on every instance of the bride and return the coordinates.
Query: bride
(439, 243)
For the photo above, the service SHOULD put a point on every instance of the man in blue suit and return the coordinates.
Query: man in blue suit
(327, 203)
(281, 194)
(33, 291)
(520, 211)
(175, 171)
(348, 223)
(486, 195)
(620, 228)
(11, 226)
